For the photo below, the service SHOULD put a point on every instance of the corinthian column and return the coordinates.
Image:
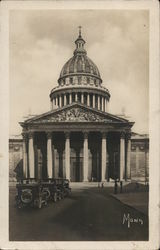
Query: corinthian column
(31, 156)
(67, 155)
(128, 175)
(122, 155)
(24, 155)
(104, 157)
(85, 157)
(49, 155)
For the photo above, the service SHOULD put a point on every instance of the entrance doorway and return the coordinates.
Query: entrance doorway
(76, 157)
(76, 170)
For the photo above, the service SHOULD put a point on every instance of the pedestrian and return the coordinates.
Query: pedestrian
(115, 187)
(121, 187)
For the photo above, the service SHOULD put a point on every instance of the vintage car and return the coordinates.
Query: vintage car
(66, 187)
(49, 187)
(63, 186)
(30, 193)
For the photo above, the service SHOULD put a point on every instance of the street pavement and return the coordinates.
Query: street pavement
(89, 214)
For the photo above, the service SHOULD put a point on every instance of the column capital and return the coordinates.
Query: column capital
(104, 135)
(31, 134)
(128, 136)
(85, 135)
(67, 135)
(122, 135)
(49, 135)
(25, 136)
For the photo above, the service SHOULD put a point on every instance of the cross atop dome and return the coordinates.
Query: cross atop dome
(80, 27)
(80, 43)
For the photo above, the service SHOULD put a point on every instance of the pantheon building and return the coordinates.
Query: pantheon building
(78, 139)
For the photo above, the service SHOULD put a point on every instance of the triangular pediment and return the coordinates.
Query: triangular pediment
(76, 113)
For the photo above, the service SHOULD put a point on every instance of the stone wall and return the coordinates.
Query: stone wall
(15, 156)
(139, 158)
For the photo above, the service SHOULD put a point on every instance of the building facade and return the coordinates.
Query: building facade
(78, 139)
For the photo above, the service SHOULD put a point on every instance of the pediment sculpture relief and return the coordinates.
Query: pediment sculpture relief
(75, 114)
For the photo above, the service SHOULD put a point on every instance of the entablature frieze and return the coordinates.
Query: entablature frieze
(67, 130)
(87, 90)
(101, 126)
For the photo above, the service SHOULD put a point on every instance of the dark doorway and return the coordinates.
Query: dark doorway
(113, 152)
(40, 146)
(76, 159)
(95, 149)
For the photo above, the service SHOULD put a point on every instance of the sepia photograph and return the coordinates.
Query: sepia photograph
(79, 125)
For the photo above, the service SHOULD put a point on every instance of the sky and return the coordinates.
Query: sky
(41, 41)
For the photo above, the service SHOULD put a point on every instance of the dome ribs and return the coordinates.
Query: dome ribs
(80, 65)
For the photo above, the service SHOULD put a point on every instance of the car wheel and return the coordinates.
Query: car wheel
(62, 196)
(55, 197)
(40, 203)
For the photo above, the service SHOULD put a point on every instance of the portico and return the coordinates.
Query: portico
(90, 151)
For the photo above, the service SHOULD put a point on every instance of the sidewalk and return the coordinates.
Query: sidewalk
(135, 198)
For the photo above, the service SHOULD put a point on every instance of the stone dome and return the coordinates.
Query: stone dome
(79, 69)
(80, 82)
(79, 64)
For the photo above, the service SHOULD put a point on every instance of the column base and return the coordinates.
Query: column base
(104, 180)
(85, 181)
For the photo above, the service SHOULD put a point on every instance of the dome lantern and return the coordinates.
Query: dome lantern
(80, 44)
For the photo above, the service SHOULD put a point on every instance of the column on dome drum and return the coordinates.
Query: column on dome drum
(60, 101)
(105, 105)
(98, 100)
(93, 101)
(76, 97)
(70, 98)
(82, 98)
